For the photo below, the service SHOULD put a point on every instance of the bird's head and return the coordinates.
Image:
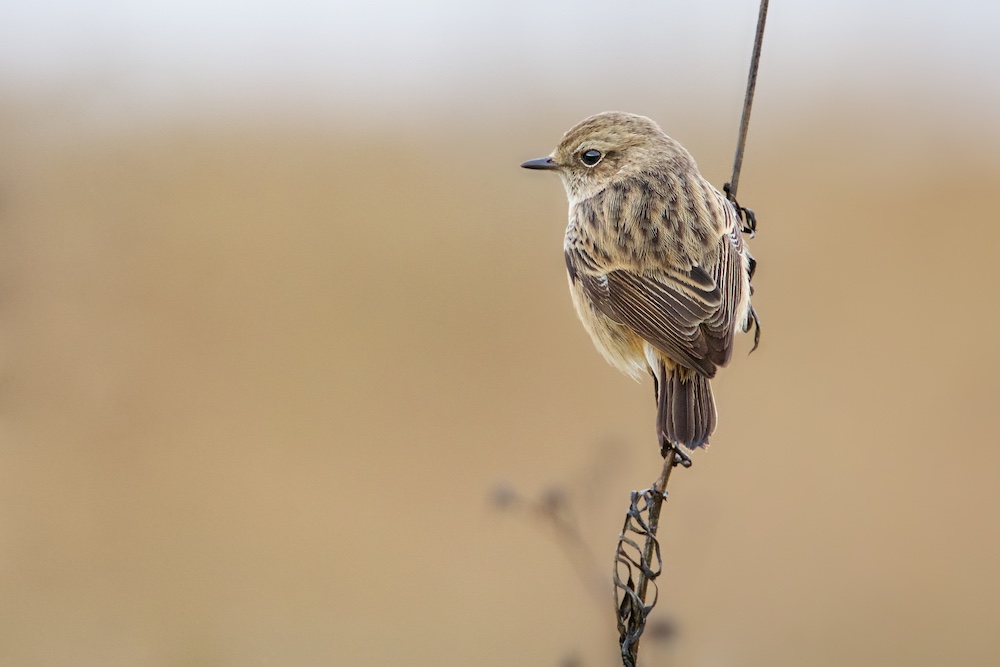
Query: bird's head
(607, 146)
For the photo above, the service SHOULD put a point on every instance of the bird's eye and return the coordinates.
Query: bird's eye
(591, 157)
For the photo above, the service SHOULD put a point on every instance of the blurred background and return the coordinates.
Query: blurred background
(279, 313)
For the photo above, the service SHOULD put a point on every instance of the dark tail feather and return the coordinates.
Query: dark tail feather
(685, 412)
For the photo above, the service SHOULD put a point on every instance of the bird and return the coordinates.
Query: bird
(658, 269)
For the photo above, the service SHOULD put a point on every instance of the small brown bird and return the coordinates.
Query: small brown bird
(658, 269)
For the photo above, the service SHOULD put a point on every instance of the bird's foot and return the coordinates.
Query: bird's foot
(680, 458)
(746, 216)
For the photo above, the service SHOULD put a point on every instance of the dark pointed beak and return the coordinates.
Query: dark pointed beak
(541, 163)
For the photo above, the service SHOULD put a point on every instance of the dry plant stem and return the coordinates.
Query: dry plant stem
(741, 142)
(659, 495)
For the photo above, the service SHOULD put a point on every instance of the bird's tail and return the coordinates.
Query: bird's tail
(685, 412)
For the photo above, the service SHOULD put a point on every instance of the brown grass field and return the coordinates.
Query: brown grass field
(259, 381)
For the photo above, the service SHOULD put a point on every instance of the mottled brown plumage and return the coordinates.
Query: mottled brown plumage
(658, 269)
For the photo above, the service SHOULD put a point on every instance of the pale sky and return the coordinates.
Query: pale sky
(361, 57)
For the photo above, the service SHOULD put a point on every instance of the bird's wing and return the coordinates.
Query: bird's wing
(667, 309)
(685, 312)
(730, 279)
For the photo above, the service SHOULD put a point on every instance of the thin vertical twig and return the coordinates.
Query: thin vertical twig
(747, 102)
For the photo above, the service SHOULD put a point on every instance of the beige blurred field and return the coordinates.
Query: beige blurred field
(258, 382)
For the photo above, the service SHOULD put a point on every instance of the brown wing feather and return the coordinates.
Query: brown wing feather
(729, 276)
(719, 329)
(666, 312)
